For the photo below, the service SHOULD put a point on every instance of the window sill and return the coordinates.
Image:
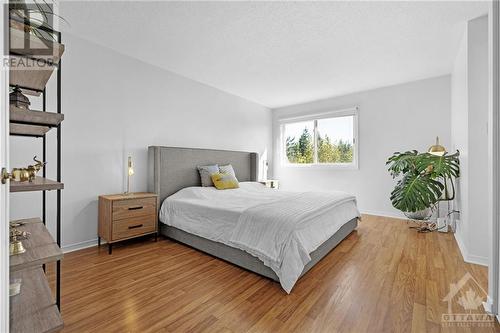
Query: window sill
(321, 166)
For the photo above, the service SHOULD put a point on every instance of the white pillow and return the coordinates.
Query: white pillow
(227, 169)
(206, 172)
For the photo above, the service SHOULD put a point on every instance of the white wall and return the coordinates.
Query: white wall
(470, 136)
(115, 106)
(397, 118)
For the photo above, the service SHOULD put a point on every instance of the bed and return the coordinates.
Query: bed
(242, 226)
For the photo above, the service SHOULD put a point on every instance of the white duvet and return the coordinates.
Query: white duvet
(281, 228)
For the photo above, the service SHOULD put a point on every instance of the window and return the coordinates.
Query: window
(299, 142)
(325, 139)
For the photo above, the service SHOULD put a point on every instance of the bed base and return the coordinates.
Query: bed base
(243, 259)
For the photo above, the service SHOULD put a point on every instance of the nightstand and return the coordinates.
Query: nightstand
(271, 183)
(126, 216)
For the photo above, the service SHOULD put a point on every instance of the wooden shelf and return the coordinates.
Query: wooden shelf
(31, 68)
(28, 130)
(40, 247)
(33, 310)
(32, 123)
(32, 117)
(39, 184)
(29, 74)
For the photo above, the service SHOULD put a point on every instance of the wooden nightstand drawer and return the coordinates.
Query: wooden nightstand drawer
(124, 216)
(130, 227)
(123, 209)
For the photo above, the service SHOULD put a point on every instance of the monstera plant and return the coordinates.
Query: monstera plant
(423, 179)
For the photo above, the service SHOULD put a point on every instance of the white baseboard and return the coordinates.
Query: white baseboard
(461, 245)
(488, 305)
(478, 260)
(80, 246)
(383, 214)
(469, 258)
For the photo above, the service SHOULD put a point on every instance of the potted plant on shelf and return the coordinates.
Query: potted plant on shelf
(424, 179)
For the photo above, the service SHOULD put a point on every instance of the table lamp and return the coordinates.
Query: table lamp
(130, 172)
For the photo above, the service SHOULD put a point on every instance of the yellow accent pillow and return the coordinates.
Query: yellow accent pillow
(224, 181)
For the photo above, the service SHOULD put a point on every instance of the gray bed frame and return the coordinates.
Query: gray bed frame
(171, 169)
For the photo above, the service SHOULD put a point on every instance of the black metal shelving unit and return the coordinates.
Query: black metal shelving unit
(57, 185)
(43, 94)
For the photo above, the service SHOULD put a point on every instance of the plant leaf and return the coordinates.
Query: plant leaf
(416, 192)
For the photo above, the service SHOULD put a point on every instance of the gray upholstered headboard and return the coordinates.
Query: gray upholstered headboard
(171, 169)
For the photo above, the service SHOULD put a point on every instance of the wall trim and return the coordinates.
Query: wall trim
(488, 305)
(81, 245)
(494, 155)
(461, 246)
(467, 257)
(383, 214)
(478, 260)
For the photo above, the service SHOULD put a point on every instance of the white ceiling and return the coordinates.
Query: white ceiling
(282, 53)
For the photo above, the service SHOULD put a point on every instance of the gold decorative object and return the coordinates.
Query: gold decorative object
(130, 170)
(23, 174)
(20, 174)
(437, 149)
(16, 247)
(15, 224)
(33, 169)
(15, 244)
(5, 176)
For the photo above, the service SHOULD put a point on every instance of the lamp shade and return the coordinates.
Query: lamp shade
(437, 149)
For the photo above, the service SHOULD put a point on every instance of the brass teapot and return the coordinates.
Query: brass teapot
(29, 173)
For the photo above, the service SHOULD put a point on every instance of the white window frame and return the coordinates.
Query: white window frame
(353, 111)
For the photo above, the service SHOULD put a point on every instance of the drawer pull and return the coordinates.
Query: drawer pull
(135, 208)
(135, 226)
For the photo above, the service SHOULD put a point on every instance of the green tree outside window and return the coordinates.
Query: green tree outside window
(301, 151)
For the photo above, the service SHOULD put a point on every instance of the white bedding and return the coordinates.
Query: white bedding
(281, 228)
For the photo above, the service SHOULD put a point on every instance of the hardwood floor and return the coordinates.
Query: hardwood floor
(383, 278)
